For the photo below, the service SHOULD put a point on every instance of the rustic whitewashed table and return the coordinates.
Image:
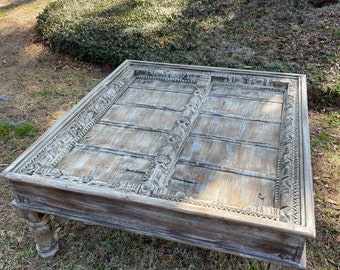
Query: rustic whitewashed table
(212, 157)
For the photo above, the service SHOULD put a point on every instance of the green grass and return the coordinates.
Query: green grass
(335, 32)
(14, 137)
(44, 92)
(334, 119)
(333, 91)
(66, 89)
(28, 251)
(10, 131)
(215, 33)
(333, 56)
(323, 140)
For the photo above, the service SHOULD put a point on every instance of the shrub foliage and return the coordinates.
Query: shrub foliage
(110, 31)
(265, 35)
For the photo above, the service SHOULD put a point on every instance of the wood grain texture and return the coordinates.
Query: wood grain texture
(157, 145)
(199, 230)
(40, 226)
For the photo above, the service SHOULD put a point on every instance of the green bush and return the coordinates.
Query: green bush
(228, 33)
(108, 32)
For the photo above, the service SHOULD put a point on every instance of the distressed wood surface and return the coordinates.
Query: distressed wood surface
(194, 145)
(151, 218)
(40, 226)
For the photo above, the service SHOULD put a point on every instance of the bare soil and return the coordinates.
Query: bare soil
(38, 86)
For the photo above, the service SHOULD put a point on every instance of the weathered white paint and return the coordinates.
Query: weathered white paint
(171, 150)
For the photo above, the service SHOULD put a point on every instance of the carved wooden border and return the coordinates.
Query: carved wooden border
(287, 189)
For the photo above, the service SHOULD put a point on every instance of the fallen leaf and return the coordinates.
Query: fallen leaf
(170, 258)
(332, 262)
(337, 239)
(11, 233)
(163, 242)
(326, 262)
(56, 232)
(19, 239)
(139, 246)
(332, 201)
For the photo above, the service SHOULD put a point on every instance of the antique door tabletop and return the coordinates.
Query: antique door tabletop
(217, 158)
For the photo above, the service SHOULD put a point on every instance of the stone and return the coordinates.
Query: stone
(3, 98)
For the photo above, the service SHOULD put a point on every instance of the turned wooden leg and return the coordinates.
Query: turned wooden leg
(40, 226)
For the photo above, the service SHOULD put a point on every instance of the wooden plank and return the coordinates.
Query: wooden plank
(228, 188)
(117, 169)
(245, 159)
(247, 93)
(161, 85)
(123, 138)
(158, 99)
(139, 117)
(252, 110)
(221, 235)
(238, 130)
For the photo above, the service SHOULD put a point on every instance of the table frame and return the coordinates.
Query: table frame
(275, 237)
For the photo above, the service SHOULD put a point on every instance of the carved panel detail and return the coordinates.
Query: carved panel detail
(260, 212)
(163, 165)
(287, 185)
(167, 75)
(48, 157)
(154, 183)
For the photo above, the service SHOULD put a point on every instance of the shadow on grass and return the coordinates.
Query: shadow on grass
(189, 34)
(271, 35)
(14, 4)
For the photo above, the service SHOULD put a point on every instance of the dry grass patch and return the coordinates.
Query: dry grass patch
(40, 86)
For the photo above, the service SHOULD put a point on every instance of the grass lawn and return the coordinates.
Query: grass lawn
(53, 52)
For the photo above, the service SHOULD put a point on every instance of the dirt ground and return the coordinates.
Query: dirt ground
(38, 87)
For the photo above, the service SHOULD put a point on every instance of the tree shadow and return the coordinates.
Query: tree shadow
(263, 35)
(14, 4)
(128, 31)
(218, 33)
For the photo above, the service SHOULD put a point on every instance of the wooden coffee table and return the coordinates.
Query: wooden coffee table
(212, 157)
